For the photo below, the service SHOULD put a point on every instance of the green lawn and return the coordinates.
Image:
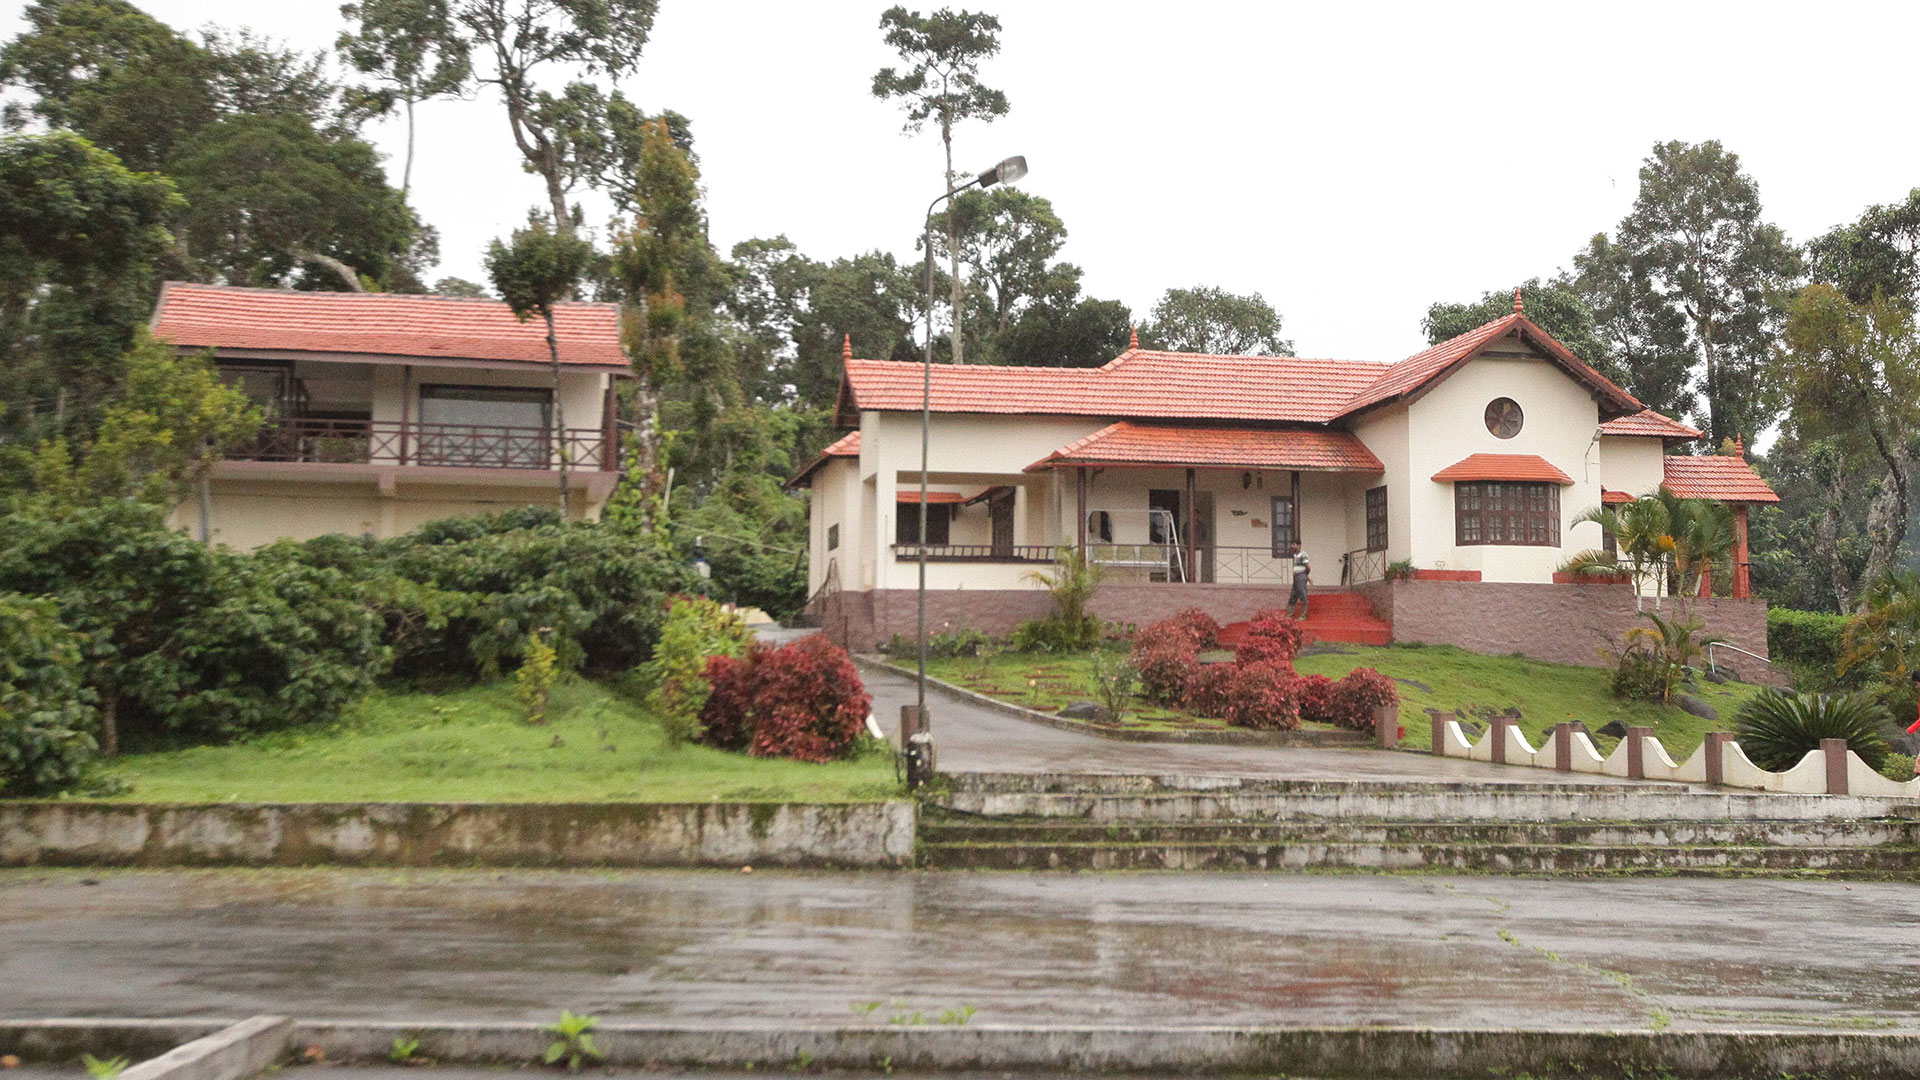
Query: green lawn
(471, 746)
(1449, 679)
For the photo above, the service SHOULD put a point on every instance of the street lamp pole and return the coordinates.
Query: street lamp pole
(1007, 171)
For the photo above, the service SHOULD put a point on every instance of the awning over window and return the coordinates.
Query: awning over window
(1614, 498)
(1512, 468)
(1127, 443)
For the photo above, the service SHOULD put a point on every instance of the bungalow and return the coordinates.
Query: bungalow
(384, 412)
(1190, 476)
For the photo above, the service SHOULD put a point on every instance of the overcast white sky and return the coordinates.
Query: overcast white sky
(1351, 162)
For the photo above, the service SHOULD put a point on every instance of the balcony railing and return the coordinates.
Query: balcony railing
(380, 442)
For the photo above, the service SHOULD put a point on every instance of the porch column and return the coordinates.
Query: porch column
(1080, 507)
(1193, 548)
(1741, 584)
(1298, 520)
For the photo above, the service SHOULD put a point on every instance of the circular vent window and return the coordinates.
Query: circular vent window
(1504, 417)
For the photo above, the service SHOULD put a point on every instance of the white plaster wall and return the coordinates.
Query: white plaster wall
(250, 514)
(1635, 465)
(1385, 432)
(1448, 424)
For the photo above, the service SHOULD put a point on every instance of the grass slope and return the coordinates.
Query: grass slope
(471, 746)
(1436, 677)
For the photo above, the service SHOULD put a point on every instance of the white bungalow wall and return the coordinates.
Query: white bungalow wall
(1447, 424)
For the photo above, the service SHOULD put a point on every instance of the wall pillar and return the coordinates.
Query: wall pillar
(1835, 751)
(1742, 585)
(1716, 749)
(1637, 752)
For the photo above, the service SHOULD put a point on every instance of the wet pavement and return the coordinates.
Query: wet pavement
(727, 948)
(973, 738)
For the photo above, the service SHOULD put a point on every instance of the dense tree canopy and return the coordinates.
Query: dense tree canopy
(1211, 320)
(1555, 308)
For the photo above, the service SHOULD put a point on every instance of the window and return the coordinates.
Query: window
(1283, 530)
(1511, 514)
(1163, 516)
(1377, 519)
(833, 537)
(906, 523)
(495, 426)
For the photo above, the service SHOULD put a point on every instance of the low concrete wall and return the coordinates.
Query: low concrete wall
(876, 834)
(1561, 624)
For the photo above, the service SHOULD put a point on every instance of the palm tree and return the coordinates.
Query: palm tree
(1886, 632)
(1703, 539)
(1640, 531)
(1672, 643)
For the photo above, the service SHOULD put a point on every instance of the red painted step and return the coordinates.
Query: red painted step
(1331, 616)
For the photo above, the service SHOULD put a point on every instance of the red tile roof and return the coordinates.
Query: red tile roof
(846, 446)
(382, 324)
(1127, 443)
(1727, 479)
(934, 498)
(1510, 467)
(1414, 375)
(1139, 383)
(1648, 422)
(1614, 498)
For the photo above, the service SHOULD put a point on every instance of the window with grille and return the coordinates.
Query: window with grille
(1377, 519)
(1510, 514)
(906, 523)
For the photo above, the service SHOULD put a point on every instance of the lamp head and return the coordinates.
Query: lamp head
(1004, 173)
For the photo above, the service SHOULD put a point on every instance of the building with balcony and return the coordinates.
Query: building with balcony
(385, 411)
(1190, 478)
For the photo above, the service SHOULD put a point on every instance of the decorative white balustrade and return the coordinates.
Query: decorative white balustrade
(1831, 770)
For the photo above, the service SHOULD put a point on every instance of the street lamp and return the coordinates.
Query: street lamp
(1005, 172)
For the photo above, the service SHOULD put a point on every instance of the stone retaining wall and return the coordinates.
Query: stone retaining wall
(878, 834)
(1561, 624)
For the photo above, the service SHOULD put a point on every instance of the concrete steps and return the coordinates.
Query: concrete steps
(1060, 822)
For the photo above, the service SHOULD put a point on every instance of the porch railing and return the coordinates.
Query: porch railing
(1361, 565)
(1214, 564)
(983, 553)
(377, 442)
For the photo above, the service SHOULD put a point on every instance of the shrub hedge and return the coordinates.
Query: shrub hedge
(1809, 643)
(46, 719)
(803, 701)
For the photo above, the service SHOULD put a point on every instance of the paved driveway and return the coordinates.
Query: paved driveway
(973, 738)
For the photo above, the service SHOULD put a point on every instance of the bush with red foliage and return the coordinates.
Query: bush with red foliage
(1315, 695)
(802, 701)
(1358, 696)
(1165, 668)
(1207, 687)
(1261, 696)
(1199, 628)
(1271, 636)
(726, 718)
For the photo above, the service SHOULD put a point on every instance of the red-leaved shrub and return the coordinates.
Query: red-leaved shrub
(1315, 695)
(1195, 625)
(1207, 686)
(726, 718)
(1359, 695)
(802, 701)
(1271, 636)
(1164, 667)
(1261, 696)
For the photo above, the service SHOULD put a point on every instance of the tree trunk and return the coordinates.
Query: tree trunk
(406, 172)
(1887, 518)
(538, 151)
(953, 242)
(109, 725)
(341, 270)
(1826, 548)
(559, 419)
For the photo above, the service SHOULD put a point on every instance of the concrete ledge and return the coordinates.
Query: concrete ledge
(1343, 740)
(233, 1053)
(878, 834)
(62, 1041)
(1325, 1052)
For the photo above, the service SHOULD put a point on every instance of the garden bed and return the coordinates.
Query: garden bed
(1428, 677)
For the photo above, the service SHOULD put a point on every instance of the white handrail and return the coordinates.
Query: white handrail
(1712, 645)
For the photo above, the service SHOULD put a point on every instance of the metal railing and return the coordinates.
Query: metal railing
(482, 446)
(1712, 645)
(1018, 553)
(1361, 565)
(1211, 563)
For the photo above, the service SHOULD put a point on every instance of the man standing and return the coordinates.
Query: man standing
(1299, 594)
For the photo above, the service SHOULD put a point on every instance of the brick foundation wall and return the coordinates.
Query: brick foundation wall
(1563, 624)
(861, 620)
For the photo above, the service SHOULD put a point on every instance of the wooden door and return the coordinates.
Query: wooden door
(1000, 510)
(1203, 534)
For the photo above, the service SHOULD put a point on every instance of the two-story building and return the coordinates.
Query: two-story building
(1189, 478)
(387, 411)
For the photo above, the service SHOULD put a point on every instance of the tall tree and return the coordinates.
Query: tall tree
(1554, 307)
(538, 269)
(1696, 231)
(942, 84)
(412, 47)
(1854, 372)
(80, 239)
(1880, 253)
(1205, 319)
(1645, 339)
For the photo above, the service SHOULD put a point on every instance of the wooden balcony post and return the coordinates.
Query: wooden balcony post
(1741, 582)
(1080, 507)
(1193, 548)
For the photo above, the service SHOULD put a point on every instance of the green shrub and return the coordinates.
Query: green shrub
(1809, 643)
(533, 683)
(965, 642)
(1113, 680)
(1897, 767)
(696, 630)
(178, 639)
(45, 718)
(1778, 729)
